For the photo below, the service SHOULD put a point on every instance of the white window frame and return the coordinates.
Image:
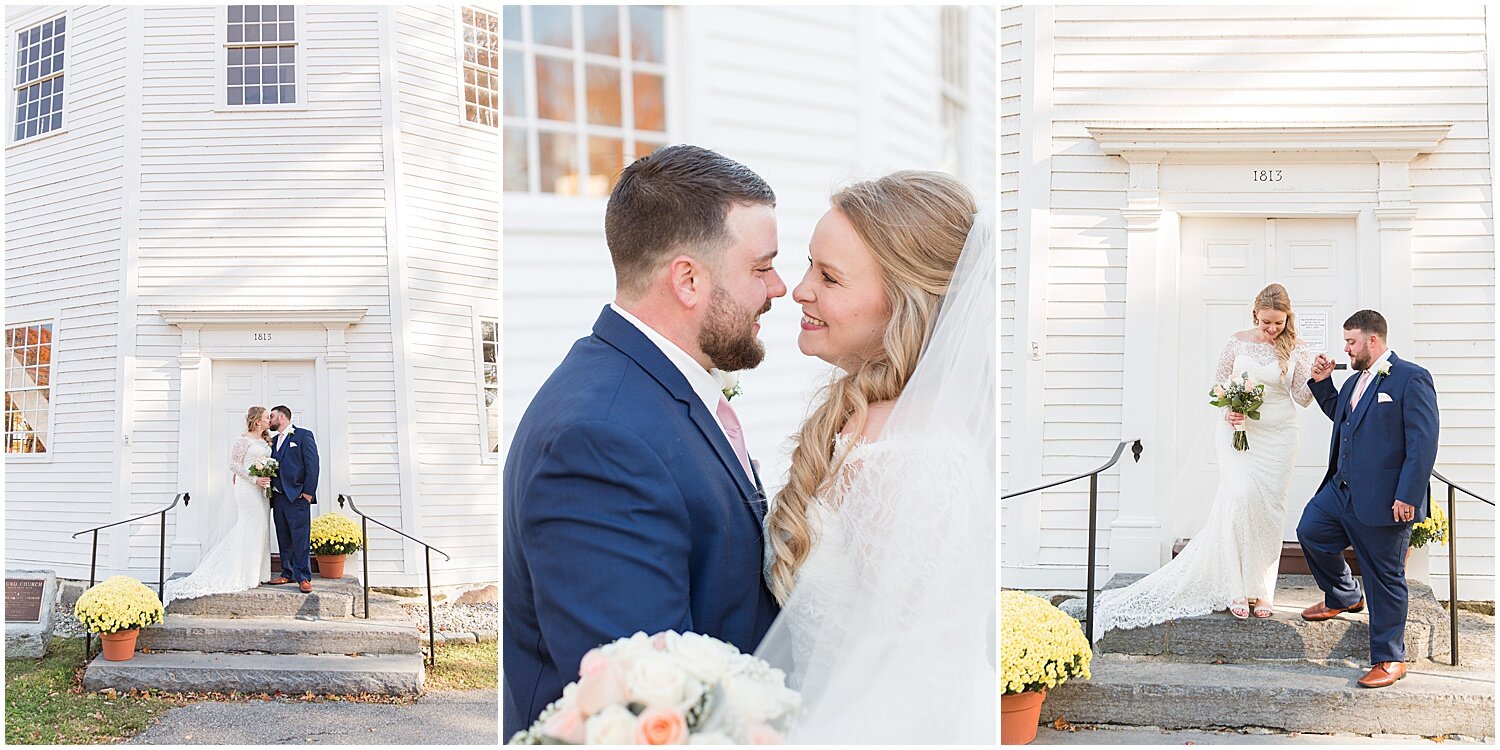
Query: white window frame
(460, 66)
(955, 92)
(221, 65)
(51, 394)
(488, 455)
(670, 70)
(10, 55)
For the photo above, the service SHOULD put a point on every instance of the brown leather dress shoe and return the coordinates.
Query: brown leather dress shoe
(1319, 612)
(1382, 674)
(280, 581)
(306, 587)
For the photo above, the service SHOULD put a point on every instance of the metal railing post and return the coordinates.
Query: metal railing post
(1452, 576)
(431, 616)
(1093, 531)
(364, 545)
(88, 637)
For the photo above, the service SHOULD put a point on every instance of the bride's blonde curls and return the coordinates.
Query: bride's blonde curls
(1275, 297)
(251, 417)
(915, 224)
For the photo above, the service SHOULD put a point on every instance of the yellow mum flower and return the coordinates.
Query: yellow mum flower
(119, 603)
(334, 534)
(1040, 645)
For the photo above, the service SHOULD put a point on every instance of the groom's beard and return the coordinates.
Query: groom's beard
(728, 337)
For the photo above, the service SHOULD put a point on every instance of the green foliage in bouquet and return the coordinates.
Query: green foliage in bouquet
(119, 603)
(1040, 645)
(334, 534)
(1433, 530)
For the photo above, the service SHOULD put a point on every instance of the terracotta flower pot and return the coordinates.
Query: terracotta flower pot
(1019, 714)
(330, 566)
(119, 646)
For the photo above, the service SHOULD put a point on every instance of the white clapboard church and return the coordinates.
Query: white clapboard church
(811, 98)
(210, 207)
(1159, 166)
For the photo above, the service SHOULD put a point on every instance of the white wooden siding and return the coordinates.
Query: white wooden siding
(1279, 64)
(68, 271)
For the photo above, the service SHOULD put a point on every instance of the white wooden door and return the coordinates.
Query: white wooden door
(1225, 262)
(240, 384)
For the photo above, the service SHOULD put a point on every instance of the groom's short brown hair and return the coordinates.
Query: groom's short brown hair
(674, 200)
(284, 411)
(1369, 321)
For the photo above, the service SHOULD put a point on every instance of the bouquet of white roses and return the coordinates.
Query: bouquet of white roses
(1243, 395)
(667, 689)
(265, 467)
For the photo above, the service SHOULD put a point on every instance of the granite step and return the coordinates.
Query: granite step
(1291, 696)
(1221, 637)
(330, 598)
(291, 674)
(280, 635)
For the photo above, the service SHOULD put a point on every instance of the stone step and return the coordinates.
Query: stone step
(280, 635)
(330, 598)
(292, 674)
(1219, 636)
(1296, 697)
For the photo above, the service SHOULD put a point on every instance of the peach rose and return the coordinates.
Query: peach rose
(592, 662)
(565, 725)
(660, 726)
(764, 735)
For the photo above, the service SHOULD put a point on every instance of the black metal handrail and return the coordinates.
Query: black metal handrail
(161, 561)
(1135, 450)
(364, 545)
(1453, 490)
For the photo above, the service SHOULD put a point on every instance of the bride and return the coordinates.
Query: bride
(881, 546)
(240, 557)
(1233, 559)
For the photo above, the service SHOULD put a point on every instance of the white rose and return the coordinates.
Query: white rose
(711, 738)
(750, 701)
(614, 725)
(702, 657)
(656, 681)
(626, 651)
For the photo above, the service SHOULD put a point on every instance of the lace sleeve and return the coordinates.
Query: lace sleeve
(1225, 367)
(1301, 372)
(237, 454)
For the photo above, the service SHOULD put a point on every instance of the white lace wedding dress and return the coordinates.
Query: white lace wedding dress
(1236, 554)
(857, 599)
(240, 557)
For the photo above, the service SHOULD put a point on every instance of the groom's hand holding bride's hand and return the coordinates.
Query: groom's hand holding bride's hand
(1322, 367)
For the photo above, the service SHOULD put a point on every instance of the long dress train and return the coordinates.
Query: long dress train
(241, 557)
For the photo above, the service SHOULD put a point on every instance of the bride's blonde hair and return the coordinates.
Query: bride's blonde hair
(1274, 297)
(251, 417)
(915, 224)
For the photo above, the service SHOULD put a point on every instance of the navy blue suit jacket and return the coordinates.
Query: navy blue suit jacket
(298, 459)
(1389, 447)
(625, 510)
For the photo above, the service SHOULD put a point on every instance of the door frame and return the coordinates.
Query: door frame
(1378, 197)
(213, 333)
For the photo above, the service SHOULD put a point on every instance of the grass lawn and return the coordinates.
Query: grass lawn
(466, 666)
(44, 706)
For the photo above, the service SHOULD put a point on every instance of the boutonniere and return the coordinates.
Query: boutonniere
(1384, 369)
(730, 384)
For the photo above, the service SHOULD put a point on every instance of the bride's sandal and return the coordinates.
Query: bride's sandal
(1263, 609)
(1240, 609)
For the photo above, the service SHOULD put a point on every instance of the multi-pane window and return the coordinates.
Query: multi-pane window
(261, 55)
(489, 341)
(481, 67)
(28, 386)
(953, 49)
(585, 94)
(39, 78)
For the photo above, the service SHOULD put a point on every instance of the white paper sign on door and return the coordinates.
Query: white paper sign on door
(1312, 327)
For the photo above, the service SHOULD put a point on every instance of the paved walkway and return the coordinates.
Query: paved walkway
(1113, 735)
(468, 717)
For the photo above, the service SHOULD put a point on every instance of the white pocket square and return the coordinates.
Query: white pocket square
(1382, 398)
(1387, 398)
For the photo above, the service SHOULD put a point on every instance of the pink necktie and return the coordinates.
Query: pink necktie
(736, 436)
(1359, 389)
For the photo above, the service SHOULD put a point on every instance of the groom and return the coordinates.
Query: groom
(292, 494)
(631, 503)
(1385, 440)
